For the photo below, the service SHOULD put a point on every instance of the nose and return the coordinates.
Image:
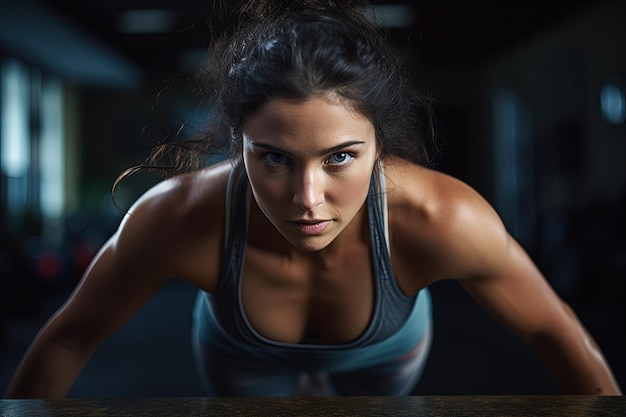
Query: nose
(308, 189)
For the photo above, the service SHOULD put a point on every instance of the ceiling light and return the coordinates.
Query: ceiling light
(392, 15)
(146, 21)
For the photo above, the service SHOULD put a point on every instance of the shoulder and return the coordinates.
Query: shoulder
(175, 217)
(442, 218)
(432, 197)
(182, 195)
(181, 198)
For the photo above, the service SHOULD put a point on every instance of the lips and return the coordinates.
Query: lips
(310, 227)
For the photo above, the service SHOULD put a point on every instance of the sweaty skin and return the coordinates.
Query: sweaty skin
(309, 164)
(308, 260)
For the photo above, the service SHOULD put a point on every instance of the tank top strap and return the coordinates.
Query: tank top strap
(391, 309)
(393, 306)
(225, 299)
(382, 198)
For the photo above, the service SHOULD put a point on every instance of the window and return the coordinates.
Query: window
(51, 155)
(15, 137)
(32, 148)
(514, 164)
(613, 103)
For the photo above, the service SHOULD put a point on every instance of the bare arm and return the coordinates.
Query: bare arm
(459, 235)
(97, 309)
(498, 273)
(517, 295)
(128, 270)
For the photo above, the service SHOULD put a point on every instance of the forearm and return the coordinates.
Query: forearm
(48, 370)
(578, 365)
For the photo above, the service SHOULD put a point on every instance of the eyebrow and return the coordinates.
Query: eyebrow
(326, 151)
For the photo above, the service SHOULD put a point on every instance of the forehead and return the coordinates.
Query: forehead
(319, 119)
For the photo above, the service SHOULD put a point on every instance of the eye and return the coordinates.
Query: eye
(339, 158)
(275, 158)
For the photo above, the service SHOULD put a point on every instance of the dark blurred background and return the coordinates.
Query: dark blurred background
(530, 97)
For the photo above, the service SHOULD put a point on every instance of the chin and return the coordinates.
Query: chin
(310, 245)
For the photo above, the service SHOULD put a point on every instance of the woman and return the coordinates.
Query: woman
(313, 246)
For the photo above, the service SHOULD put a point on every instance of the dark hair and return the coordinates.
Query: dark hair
(298, 49)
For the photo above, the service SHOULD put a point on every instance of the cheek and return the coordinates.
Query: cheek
(268, 191)
(352, 191)
(268, 194)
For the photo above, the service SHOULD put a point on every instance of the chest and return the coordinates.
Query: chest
(294, 300)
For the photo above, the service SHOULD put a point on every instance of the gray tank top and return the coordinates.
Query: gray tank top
(391, 306)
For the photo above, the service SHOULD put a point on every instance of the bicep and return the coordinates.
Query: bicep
(518, 296)
(512, 289)
(466, 240)
(499, 274)
(122, 277)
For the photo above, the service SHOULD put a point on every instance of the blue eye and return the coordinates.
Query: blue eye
(275, 158)
(339, 158)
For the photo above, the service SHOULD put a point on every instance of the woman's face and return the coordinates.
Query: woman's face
(309, 164)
